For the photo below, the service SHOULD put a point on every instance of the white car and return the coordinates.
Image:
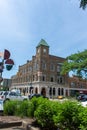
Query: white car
(1, 106)
(84, 103)
(3, 94)
(12, 95)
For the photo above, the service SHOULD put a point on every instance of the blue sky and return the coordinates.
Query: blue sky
(23, 23)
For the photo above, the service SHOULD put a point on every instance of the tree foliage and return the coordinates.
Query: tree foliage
(83, 4)
(77, 63)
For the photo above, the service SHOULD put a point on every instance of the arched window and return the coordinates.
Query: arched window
(62, 91)
(58, 91)
(50, 91)
(53, 91)
(36, 90)
(43, 77)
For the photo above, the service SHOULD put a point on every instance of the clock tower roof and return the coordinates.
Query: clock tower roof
(42, 42)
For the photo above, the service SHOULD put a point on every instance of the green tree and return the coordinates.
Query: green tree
(83, 4)
(77, 63)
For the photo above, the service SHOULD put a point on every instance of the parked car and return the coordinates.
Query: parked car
(3, 94)
(37, 95)
(1, 106)
(84, 103)
(82, 97)
(12, 95)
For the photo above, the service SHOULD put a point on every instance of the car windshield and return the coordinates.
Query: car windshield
(6, 93)
(18, 94)
(14, 94)
(1, 92)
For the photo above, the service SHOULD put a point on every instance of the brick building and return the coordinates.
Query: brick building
(77, 85)
(41, 74)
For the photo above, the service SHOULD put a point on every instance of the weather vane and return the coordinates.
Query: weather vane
(5, 62)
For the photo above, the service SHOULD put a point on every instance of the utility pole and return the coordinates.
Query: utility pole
(1, 70)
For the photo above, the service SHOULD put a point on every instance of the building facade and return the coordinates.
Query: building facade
(77, 85)
(41, 74)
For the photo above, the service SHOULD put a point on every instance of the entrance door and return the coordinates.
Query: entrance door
(43, 91)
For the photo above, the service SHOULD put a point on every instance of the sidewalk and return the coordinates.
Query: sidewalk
(20, 128)
(13, 128)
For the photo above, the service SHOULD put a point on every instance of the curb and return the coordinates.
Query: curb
(27, 126)
(24, 124)
(10, 124)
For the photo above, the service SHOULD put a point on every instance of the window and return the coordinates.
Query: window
(51, 79)
(50, 91)
(13, 94)
(35, 66)
(30, 68)
(43, 65)
(60, 79)
(53, 91)
(73, 84)
(58, 91)
(52, 66)
(44, 78)
(62, 91)
(58, 68)
(33, 77)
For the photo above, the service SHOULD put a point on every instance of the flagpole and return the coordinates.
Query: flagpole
(1, 70)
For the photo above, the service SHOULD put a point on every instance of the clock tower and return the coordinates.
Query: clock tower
(42, 49)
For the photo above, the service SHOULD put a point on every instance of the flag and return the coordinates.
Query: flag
(6, 54)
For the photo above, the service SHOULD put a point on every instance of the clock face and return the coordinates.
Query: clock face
(44, 50)
(38, 50)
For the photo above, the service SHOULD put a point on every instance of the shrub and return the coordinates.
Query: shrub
(30, 110)
(83, 119)
(22, 108)
(44, 114)
(68, 116)
(36, 102)
(10, 107)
